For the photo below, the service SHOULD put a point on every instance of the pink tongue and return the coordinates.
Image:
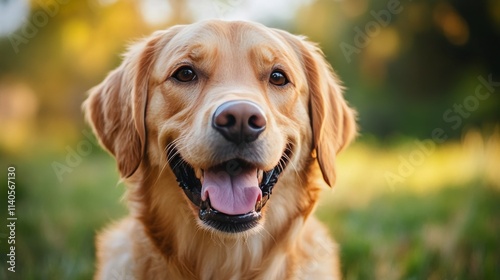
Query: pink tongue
(233, 194)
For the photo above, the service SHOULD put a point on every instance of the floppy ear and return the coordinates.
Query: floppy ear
(333, 122)
(116, 108)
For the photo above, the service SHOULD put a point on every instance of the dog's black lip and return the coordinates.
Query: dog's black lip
(191, 186)
(227, 223)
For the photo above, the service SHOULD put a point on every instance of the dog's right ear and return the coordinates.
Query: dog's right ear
(116, 108)
(333, 121)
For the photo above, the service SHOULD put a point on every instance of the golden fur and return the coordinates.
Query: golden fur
(138, 110)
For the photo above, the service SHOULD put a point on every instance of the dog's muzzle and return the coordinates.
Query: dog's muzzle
(230, 195)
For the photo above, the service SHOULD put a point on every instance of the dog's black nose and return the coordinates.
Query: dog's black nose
(239, 121)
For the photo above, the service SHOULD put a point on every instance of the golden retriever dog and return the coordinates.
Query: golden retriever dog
(225, 133)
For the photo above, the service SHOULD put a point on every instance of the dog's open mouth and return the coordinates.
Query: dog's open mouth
(230, 196)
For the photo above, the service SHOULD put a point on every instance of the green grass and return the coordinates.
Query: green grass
(57, 221)
(450, 232)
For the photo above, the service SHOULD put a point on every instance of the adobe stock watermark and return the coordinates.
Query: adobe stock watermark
(454, 116)
(74, 156)
(32, 25)
(363, 37)
(222, 7)
(323, 251)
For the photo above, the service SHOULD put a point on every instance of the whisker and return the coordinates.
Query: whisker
(160, 173)
(171, 147)
(170, 156)
(264, 230)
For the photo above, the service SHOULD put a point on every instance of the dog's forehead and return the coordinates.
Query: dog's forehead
(203, 39)
(235, 32)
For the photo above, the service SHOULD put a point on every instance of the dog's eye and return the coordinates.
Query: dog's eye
(278, 78)
(184, 74)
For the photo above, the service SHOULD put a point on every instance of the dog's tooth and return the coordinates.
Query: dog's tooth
(258, 206)
(260, 174)
(198, 172)
(202, 176)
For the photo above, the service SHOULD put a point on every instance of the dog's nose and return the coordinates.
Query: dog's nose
(239, 121)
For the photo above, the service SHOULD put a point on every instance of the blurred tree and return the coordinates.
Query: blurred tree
(63, 49)
(407, 63)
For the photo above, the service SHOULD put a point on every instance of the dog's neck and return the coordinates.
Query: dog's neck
(176, 235)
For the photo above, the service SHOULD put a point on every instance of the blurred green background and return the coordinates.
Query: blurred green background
(418, 195)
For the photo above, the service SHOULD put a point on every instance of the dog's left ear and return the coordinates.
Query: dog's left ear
(333, 122)
(116, 108)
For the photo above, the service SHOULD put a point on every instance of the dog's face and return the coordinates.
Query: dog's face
(225, 109)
